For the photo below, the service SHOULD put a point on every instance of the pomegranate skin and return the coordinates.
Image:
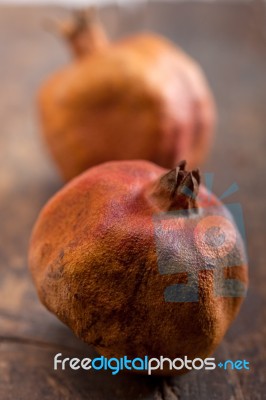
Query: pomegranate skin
(96, 259)
(139, 98)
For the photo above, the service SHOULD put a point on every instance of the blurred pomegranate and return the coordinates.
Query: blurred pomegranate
(138, 98)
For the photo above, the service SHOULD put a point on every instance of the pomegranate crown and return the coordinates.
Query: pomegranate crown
(178, 188)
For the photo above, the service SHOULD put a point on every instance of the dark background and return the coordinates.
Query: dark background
(229, 41)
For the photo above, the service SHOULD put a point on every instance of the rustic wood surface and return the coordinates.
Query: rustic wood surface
(229, 40)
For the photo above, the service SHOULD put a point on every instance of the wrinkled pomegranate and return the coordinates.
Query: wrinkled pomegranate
(138, 98)
(130, 257)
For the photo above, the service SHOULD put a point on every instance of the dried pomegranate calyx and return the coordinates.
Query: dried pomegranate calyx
(178, 189)
(84, 32)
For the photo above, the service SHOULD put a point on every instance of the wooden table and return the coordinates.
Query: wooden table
(229, 40)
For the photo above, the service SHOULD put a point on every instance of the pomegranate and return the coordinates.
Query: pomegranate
(130, 257)
(137, 98)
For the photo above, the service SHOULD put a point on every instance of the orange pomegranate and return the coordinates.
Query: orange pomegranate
(138, 98)
(140, 261)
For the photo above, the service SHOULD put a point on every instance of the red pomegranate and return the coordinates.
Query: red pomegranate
(130, 257)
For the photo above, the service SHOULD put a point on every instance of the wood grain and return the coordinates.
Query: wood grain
(229, 41)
